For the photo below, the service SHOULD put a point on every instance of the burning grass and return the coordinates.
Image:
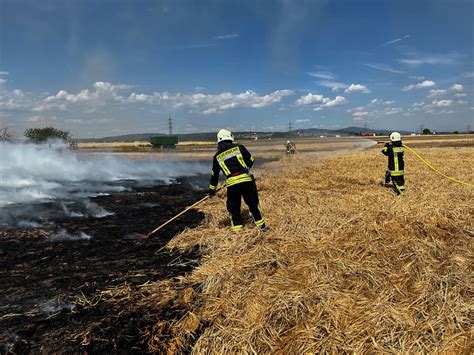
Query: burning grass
(346, 266)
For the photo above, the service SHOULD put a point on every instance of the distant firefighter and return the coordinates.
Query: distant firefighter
(395, 171)
(290, 147)
(235, 161)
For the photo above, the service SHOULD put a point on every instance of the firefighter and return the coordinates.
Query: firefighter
(290, 148)
(395, 173)
(235, 161)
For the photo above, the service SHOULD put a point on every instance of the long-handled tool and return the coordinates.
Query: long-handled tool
(146, 236)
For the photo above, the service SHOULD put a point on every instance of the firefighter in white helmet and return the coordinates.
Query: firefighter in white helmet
(235, 162)
(396, 165)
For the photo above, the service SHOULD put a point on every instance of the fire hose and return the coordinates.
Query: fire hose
(431, 167)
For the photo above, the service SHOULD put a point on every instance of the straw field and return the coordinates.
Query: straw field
(346, 265)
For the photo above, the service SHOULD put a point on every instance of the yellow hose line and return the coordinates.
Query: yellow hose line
(436, 170)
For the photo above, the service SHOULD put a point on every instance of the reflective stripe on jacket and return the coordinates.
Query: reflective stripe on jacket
(234, 160)
(394, 152)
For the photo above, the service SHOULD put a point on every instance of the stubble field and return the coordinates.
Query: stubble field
(346, 266)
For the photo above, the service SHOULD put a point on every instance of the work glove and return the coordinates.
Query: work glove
(211, 193)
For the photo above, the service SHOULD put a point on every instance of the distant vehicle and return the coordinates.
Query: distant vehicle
(164, 141)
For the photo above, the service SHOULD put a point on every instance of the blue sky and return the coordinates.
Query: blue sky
(111, 67)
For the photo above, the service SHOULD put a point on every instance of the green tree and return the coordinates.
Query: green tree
(41, 135)
(426, 131)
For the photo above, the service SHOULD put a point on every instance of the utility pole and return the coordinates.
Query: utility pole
(290, 126)
(170, 126)
(421, 129)
(365, 125)
(468, 128)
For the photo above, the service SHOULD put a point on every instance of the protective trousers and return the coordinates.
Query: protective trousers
(397, 181)
(247, 190)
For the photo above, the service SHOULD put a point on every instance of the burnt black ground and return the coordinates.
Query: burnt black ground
(40, 278)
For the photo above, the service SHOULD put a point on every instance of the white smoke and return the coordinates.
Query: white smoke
(39, 184)
(30, 173)
(63, 235)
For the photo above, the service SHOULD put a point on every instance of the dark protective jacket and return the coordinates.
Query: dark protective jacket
(394, 151)
(235, 162)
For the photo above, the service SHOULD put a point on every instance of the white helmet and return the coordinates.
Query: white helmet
(287, 142)
(395, 137)
(224, 135)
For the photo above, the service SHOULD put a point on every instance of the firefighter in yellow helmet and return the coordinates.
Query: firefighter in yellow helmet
(396, 165)
(235, 162)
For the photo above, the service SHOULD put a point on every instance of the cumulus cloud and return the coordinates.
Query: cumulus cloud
(209, 104)
(418, 104)
(442, 103)
(422, 85)
(380, 102)
(436, 93)
(457, 88)
(310, 99)
(338, 100)
(461, 94)
(360, 114)
(357, 88)
(393, 110)
(303, 120)
(4, 73)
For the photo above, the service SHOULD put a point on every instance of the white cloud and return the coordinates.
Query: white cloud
(418, 104)
(457, 88)
(432, 59)
(416, 77)
(436, 93)
(357, 88)
(4, 73)
(309, 99)
(461, 95)
(360, 114)
(3, 81)
(303, 120)
(338, 100)
(384, 67)
(461, 102)
(422, 85)
(228, 36)
(395, 41)
(381, 102)
(318, 108)
(322, 75)
(209, 104)
(333, 85)
(442, 103)
(393, 110)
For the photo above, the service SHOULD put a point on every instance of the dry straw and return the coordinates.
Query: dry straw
(347, 265)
